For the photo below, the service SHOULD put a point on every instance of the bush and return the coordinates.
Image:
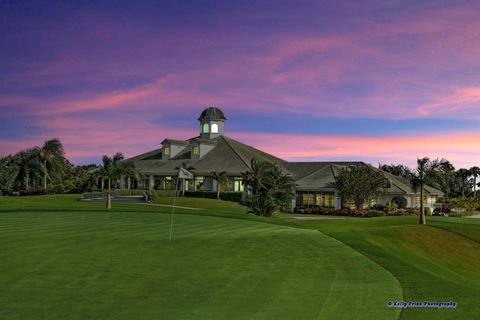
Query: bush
(155, 193)
(400, 201)
(412, 211)
(379, 207)
(391, 208)
(226, 196)
(232, 196)
(375, 213)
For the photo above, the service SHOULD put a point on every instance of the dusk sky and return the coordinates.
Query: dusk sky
(376, 81)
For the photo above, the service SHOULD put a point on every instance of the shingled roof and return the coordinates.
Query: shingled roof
(235, 157)
(228, 155)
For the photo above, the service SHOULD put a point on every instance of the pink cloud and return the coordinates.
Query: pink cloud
(456, 147)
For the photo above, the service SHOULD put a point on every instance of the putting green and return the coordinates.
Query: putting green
(61, 258)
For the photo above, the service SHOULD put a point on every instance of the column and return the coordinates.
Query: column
(151, 182)
(338, 201)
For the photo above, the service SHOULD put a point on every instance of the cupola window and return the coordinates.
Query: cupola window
(206, 128)
(214, 128)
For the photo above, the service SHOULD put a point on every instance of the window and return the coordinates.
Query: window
(417, 199)
(237, 183)
(166, 151)
(196, 150)
(199, 181)
(206, 128)
(308, 199)
(329, 200)
(168, 183)
(214, 128)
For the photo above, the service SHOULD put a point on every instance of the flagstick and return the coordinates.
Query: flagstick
(173, 210)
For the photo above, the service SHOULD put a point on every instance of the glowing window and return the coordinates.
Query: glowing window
(196, 150)
(206, 128)
(214, 128)
(166, 151)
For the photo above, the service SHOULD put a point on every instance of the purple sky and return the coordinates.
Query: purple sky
(378, 81)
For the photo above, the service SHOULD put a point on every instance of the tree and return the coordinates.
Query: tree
(399, 170)
(427, 172)
(462, 183)
(9, 171)
(269, 187)
(360, 184)
(446, 176)
(113, 168)
(29, 165)
(219, 177)
(474, 171)
(52, 155)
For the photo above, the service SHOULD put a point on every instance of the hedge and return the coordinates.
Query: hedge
(227, 196)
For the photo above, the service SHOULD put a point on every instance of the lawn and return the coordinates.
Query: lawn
(437, 262)
(65, 259)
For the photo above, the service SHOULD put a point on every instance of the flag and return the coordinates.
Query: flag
(184, 174)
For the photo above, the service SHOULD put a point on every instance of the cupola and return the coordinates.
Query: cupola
(212, 122)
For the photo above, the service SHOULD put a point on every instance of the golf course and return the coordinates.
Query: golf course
(61, 258)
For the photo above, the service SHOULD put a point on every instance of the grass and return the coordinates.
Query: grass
(437, 262)
(65, 259)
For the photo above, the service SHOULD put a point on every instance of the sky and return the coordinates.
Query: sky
(377, 81)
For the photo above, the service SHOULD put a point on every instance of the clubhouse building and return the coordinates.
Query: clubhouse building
(212, 151)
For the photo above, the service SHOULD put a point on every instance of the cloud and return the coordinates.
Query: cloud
(456, 147)
(463, 101)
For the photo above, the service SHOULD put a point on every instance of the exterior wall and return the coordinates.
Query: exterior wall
(412, 200)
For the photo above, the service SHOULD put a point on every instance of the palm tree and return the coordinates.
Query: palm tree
(461, 180)
(132, 172)
(474, 171)
(219, 177)
(9, 171)
(427, 171)
(446, 177)
(113, 168)
(29, 164)
(270, 188)
(52, 155)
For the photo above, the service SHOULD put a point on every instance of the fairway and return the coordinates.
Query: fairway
(437, 262)
(65, 259)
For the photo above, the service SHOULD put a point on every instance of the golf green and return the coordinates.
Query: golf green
(65, 259)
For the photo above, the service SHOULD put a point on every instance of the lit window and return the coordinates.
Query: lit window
(206, 128)
(308, 199)
(196, 150)
(214, 128)
(199, 182)
(238, 185)
(166, 151)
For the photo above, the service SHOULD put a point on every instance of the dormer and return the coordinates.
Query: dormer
(200, 147)
(170, 148)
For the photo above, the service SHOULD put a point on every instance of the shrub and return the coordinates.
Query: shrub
(391, 208)
(400, 201)
(379, 207)
(155, 193)
(412, 211)
(375, 213)
(227, 196)
(232, 196)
